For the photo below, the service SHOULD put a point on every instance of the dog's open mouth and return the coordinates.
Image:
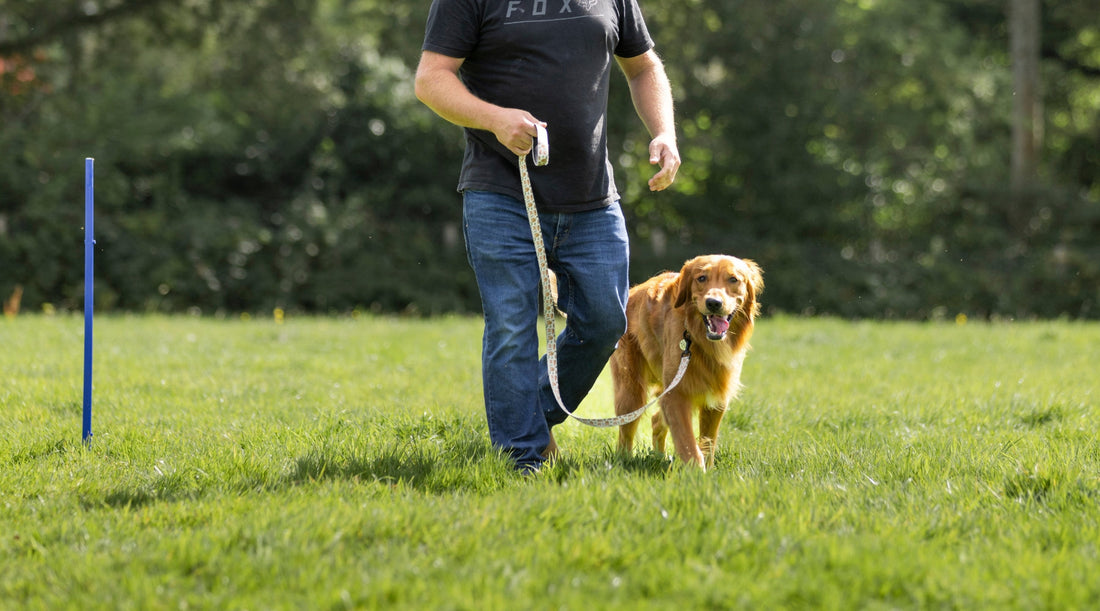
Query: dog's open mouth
(717, 326)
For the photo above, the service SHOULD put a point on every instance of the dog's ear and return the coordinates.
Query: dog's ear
(756, 276)
(755, 281)
(683, 283)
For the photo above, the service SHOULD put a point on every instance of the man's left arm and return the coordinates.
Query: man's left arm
(652, 95)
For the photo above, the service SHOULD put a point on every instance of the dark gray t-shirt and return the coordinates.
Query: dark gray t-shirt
(553, 59)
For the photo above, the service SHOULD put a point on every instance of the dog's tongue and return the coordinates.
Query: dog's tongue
(718, 324)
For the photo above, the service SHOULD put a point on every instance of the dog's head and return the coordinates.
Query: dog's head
(723, 291)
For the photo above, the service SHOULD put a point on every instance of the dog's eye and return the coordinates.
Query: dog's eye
(734, 280)
(702, 278)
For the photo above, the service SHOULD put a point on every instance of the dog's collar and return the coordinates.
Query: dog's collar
(685, 344)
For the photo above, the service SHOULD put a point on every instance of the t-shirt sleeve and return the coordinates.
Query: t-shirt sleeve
(634, 36)
(452, 27)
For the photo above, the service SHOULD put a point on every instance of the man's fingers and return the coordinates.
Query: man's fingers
(669, 160)
(524, 139)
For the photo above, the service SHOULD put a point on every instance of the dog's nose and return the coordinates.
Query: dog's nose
(714, 305)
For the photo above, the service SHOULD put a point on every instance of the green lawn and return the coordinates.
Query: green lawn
(328, 463)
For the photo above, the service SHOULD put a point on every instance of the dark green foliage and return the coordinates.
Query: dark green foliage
(253, 155)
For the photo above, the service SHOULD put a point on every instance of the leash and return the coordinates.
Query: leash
(541, 153)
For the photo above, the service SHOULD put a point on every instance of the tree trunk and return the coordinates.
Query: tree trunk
(1027, 106)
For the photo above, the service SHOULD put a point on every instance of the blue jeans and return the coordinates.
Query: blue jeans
(589, 252)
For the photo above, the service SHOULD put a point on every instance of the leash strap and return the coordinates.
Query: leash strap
(541, 153)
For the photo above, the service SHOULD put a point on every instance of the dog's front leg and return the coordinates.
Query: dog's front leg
(676, 411)
(710, 418)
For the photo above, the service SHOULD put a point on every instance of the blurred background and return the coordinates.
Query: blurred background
(878, 158)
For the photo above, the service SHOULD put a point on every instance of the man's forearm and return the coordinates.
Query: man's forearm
(652, 97)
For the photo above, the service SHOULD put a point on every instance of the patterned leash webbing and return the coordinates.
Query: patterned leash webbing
(541, 153)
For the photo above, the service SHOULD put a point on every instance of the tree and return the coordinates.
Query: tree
(261, 153)
(1027, 106)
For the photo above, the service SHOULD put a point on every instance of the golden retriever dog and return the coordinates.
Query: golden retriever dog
(712, 303)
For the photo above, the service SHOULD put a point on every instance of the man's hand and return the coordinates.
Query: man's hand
(663, 151)
(515, 129)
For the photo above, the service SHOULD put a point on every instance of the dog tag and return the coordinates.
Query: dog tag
(683, 344)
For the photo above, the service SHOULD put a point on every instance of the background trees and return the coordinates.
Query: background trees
(270, 153)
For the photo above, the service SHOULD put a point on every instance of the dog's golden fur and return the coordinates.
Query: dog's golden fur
(707, 291)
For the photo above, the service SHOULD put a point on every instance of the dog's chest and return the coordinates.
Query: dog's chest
(719, 375)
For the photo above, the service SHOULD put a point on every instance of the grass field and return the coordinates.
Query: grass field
(324, 463)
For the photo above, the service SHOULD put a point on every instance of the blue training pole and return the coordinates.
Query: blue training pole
(89, 301)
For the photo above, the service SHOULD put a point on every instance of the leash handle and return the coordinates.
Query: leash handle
(541, 148)
(541, 153)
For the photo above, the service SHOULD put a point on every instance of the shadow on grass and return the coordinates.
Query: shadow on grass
(651, 463)
(463, 466)
(462, 463)
(569, 466)
(452, 463)
(425, 456)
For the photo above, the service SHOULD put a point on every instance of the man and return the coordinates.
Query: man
(497, 68)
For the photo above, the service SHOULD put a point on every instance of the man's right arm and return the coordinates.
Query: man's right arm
(439, 88)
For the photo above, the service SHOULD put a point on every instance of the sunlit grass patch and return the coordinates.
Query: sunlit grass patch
(345, 463)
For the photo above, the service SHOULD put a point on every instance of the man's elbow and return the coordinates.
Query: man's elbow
(421, 87)
(434, 76)
(425, 82)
